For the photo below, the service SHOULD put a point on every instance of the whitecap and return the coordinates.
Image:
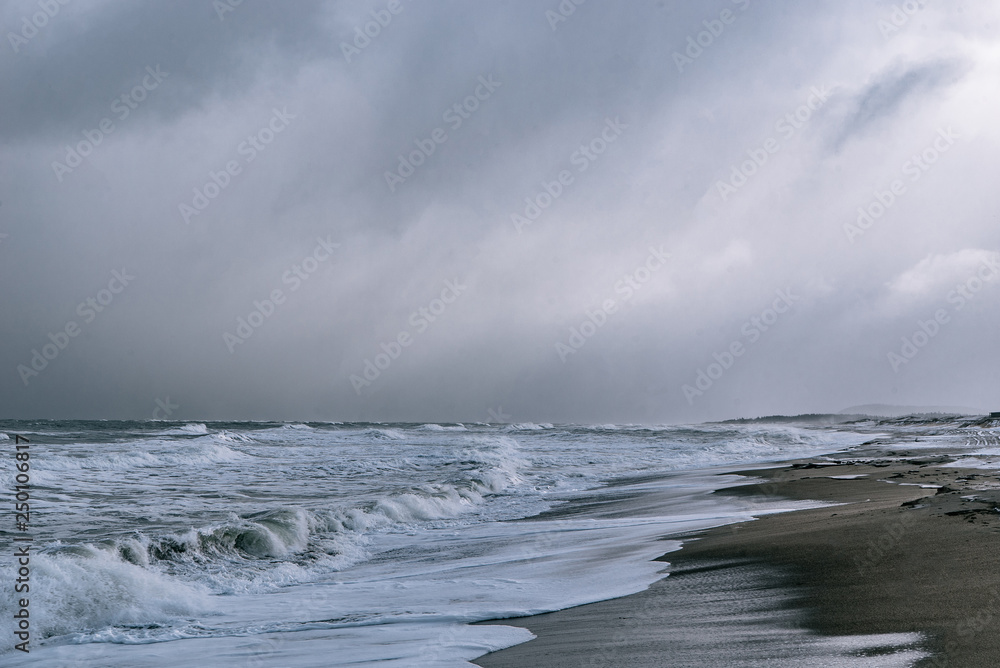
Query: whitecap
(91, 588)
(443, 427)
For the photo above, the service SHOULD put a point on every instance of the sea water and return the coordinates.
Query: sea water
(329, 544)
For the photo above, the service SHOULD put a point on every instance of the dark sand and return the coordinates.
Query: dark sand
(896, 558)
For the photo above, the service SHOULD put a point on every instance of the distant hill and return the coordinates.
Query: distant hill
(854, 413)
(813, 418)
(887, 410)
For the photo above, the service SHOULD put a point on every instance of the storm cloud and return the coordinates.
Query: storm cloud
(535, 211)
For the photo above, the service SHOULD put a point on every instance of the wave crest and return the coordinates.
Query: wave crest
(87, 588)
(191, 428)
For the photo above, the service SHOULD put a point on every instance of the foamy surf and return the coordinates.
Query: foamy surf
(192, 428)
(217, 538)
(443, 427)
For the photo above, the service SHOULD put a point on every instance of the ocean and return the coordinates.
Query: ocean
(345, 544)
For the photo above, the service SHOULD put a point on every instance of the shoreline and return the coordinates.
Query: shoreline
(894, 558)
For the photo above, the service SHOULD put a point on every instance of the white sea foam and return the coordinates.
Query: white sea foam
(385, 434)
(362, 537)
(443, 427)
(187, 429)
(232, 437)
(88, 589)
(982, 461)
(192, 453)
(526, 426)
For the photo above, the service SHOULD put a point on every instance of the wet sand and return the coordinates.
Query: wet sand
(895, 558)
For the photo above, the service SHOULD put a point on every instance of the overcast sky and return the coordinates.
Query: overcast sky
(686, 177)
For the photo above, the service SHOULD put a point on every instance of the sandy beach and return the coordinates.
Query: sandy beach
(912, 549)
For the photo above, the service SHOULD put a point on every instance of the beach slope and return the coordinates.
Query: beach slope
(913, 548)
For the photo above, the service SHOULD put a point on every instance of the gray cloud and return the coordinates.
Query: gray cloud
(651, 180)
(884, 96)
